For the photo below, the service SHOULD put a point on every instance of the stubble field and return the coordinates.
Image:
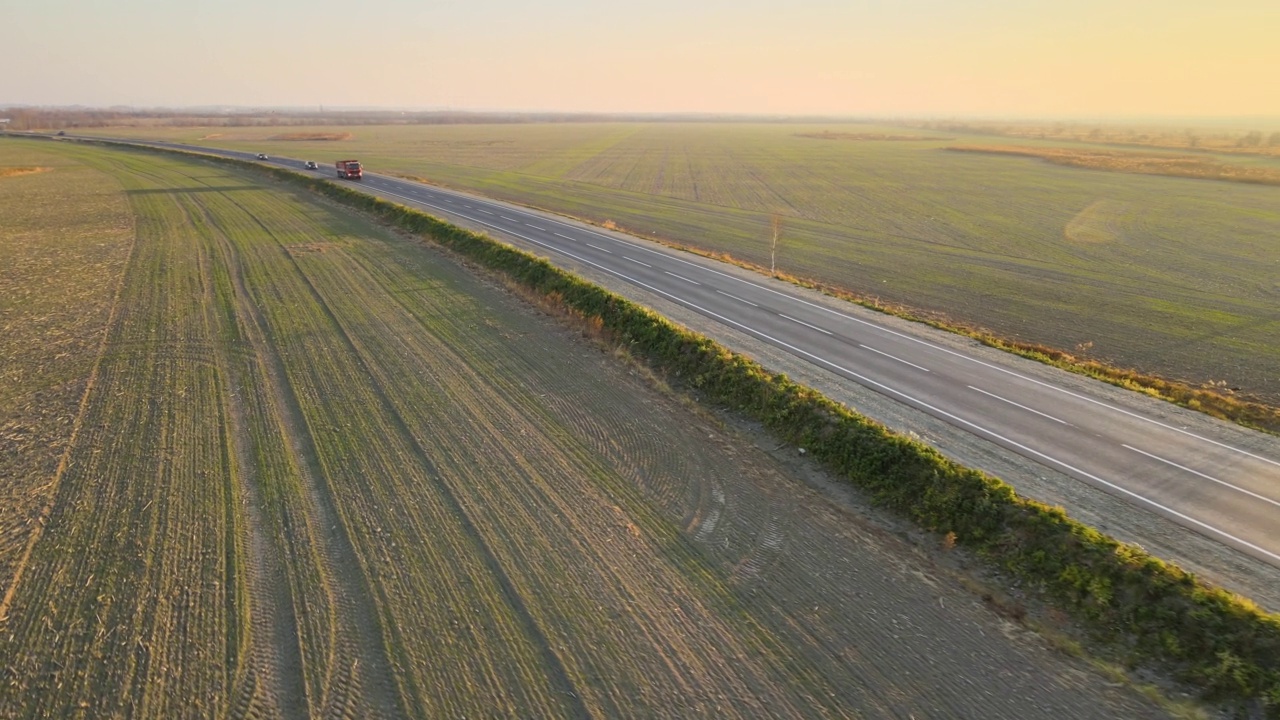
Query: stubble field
(1170, 276)
(59, 275)
(325, 471)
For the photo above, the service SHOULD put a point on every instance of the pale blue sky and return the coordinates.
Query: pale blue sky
(1086, 57)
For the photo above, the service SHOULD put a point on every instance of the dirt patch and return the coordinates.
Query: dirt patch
(16, 171)
(317, 136)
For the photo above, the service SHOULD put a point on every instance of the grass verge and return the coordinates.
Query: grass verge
(1155, 613)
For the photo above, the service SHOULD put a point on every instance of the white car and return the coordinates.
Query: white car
(262, 156)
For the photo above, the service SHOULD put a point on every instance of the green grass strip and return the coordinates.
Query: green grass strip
(1153, 611)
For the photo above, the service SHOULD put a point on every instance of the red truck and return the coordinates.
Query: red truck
(350, 169)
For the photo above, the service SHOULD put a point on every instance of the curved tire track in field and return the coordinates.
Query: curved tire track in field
(847, 598)
(272, 685)
(674, 472)
(360, 680)
(552, 664)
(671, 477)
(599, 577)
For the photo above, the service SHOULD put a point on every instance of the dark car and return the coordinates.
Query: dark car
(311, 165)
(262, 156)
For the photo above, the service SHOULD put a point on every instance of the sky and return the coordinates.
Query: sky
(1032, 58)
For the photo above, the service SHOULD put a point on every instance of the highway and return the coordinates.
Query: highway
(1216, 488)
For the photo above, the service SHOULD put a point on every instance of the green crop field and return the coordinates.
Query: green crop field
(1171, 276)
(323, 470)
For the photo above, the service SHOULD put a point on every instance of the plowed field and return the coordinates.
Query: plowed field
(325, 471)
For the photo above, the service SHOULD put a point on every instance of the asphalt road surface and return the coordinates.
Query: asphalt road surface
(1220, 490)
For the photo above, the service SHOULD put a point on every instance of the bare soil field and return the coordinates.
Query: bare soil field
(326, 471)
(1178, 280)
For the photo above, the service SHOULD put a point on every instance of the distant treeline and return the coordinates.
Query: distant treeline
(24, 118)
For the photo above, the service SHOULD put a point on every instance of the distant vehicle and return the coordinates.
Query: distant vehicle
(262, 156)
(62, 133)
(311, 165)
(350, 169)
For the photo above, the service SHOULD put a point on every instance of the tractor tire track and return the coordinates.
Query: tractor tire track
(359, 681)
(273, 685)
(552, 663)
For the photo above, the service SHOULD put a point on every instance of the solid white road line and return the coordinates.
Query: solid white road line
(801, 322)
(624, 257)
(893, 357)
(1020, 405)
(1237, 488)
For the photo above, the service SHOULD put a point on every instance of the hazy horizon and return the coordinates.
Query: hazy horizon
(986, 58)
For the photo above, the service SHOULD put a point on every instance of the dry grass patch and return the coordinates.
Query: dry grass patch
(16, 171)
(1189, 166)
